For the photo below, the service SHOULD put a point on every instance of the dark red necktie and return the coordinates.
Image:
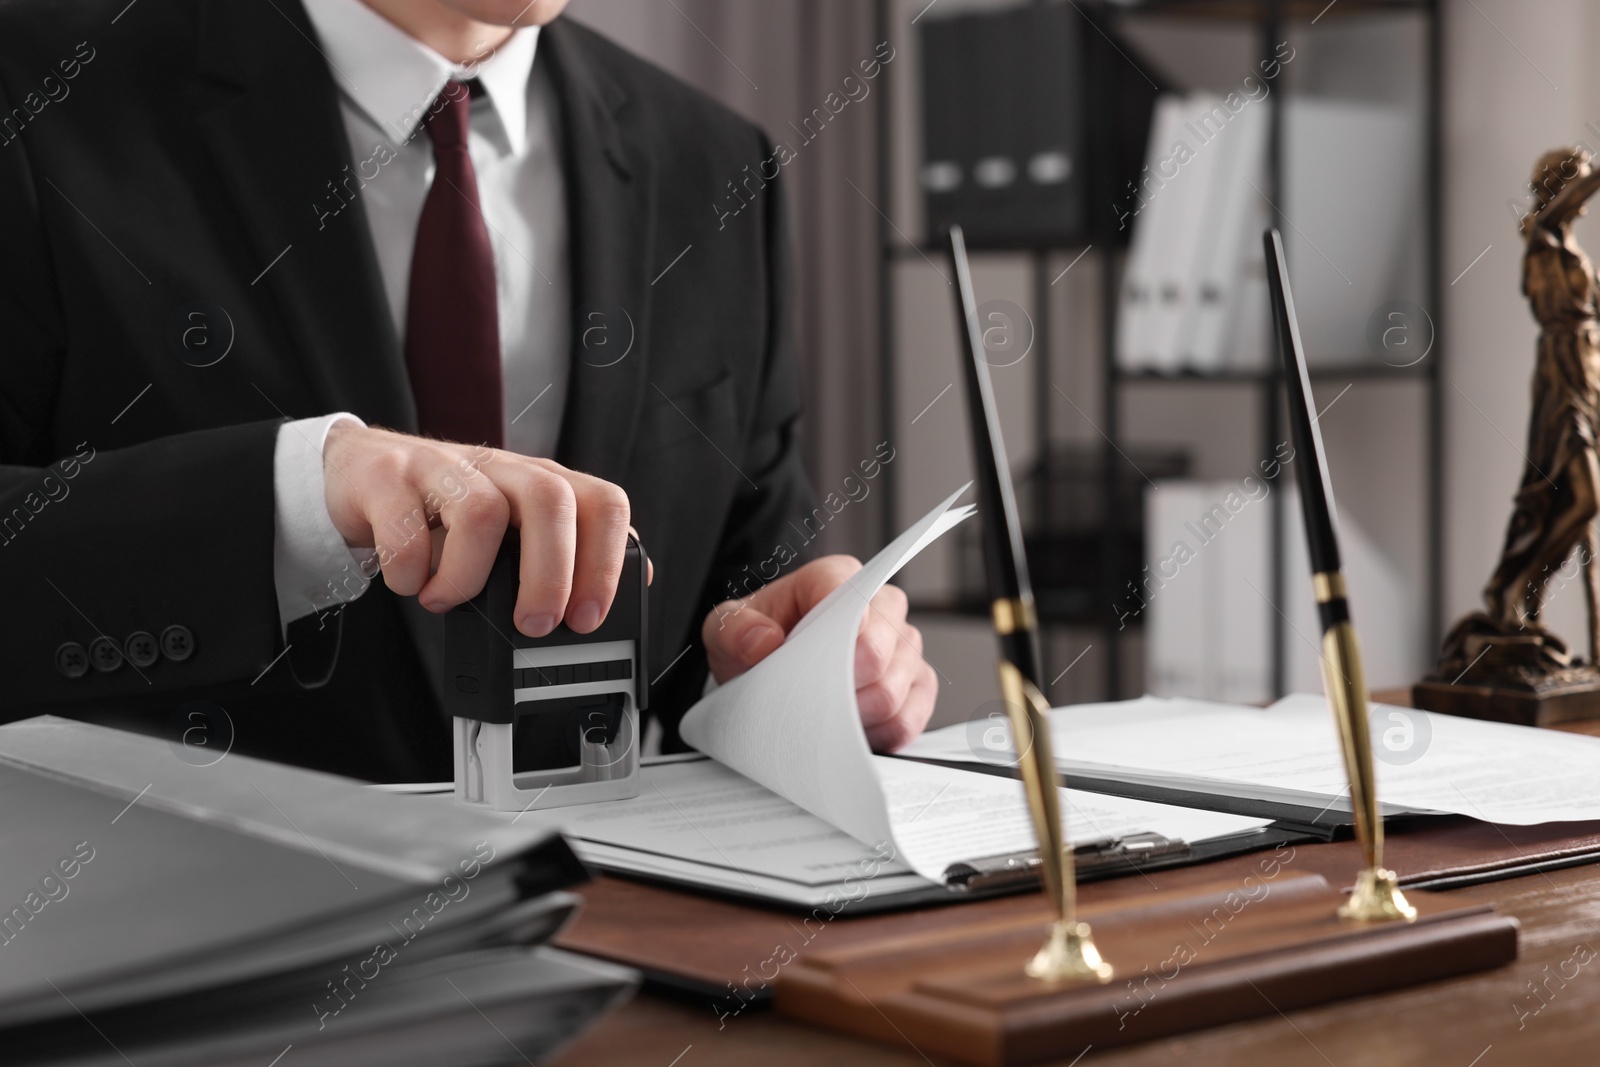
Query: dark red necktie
(452, 311)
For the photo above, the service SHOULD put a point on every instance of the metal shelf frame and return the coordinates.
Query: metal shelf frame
(1272, 18)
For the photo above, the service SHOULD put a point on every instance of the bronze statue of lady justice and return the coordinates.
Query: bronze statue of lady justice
(1502, 662)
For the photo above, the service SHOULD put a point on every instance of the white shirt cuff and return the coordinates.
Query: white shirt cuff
(312, 567)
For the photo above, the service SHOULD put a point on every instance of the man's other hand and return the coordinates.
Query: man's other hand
(895, 686)
(390, 491)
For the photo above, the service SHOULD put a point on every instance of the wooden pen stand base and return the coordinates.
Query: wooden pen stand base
(1184, 961)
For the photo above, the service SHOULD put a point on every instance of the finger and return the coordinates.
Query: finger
(475, 525)
(883, 627)
(545, 509)
(881, 700)
(786, 600)
(602, 545)
(400, 533)
(737, 636)
(914, 714)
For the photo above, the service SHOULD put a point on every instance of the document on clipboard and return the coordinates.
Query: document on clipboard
(793, 806)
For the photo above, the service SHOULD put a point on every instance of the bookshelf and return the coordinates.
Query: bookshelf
(1121, 389)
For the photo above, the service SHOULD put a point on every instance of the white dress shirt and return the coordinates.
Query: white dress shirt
(386, 80)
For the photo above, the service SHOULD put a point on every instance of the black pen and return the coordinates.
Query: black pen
(1376, 895)
(1069, 952)
(1016, 620)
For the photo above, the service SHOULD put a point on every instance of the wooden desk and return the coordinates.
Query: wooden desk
(1485, 1020)
(1451, 1023)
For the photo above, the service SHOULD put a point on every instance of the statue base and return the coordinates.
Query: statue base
(1522, 675)
(1568, 695)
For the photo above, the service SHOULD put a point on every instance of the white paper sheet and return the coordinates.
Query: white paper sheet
(942, 815)
(1496, 772)
(792, 725)
(701, 811)
(696, 820)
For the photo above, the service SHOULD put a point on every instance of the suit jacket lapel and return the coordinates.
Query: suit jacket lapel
(610, 191)
(275, 131)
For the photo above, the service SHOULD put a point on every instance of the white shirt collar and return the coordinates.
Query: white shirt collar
(393, 77)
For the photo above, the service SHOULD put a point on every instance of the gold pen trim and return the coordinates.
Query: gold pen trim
(1329, 585)
(1069, 953)
(1012, 614)
(1377, 896)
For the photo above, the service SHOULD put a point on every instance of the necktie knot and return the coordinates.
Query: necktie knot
(449, 117)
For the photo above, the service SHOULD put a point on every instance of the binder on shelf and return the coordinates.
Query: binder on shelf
(1250, 336)
(1187, 288)
(1234, 211)
(949, 120)
(1138, 336)
(1171, 596)
(1190, 167)
(1239, 644)
(1194, 290)
(1003, 124)
(1033, 118)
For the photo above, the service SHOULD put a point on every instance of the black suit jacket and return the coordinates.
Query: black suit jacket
(186, 163)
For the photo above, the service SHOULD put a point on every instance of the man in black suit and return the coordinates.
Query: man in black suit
(242, 235)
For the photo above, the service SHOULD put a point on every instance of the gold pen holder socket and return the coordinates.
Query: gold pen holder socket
(1069, 955)
(1377, 898)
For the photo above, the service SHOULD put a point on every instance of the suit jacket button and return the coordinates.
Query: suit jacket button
(141, 649)
(72, 660)
(177, 643)
(104, 654)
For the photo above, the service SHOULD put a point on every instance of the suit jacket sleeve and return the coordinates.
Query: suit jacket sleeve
(100, 541)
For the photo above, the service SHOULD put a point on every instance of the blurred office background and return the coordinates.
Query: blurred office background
(1394, 140)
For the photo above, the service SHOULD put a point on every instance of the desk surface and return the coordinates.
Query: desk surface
(1486, 1020)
